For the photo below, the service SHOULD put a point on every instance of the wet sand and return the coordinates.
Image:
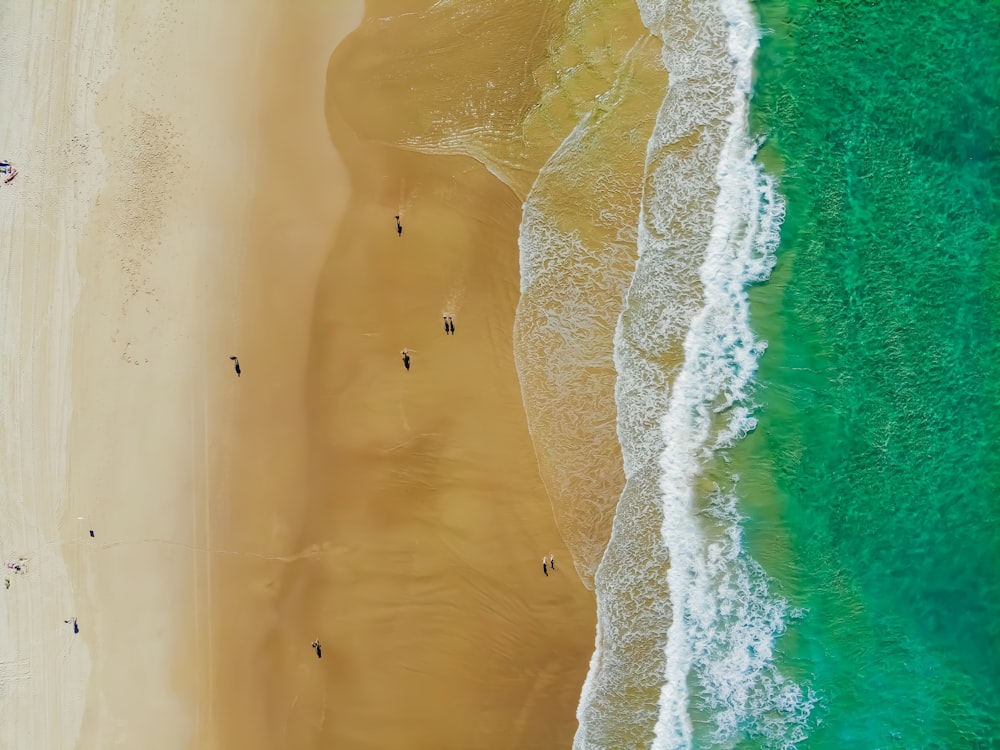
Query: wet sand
(408, 536)
(416, 560)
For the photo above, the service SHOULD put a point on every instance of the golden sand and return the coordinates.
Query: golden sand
(223, 188)
(409, 535)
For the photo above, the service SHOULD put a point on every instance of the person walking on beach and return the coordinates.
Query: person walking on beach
(552, 562)
(446, 329)
(406, 359)
(72, 621)
(236, 365)
(545, 568)
(399, 227)
(318, 647)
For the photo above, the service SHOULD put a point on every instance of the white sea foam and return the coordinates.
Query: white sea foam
(577, 254)
(709, 227)
(720, 644)
(618, 705)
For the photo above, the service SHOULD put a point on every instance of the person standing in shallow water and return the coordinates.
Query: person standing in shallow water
(406, 359)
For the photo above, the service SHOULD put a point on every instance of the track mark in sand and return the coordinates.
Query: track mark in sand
(201, 572)
(288, 720)
(453, 303)
(404, 202)
(530, 702)
(402, 413)
(322, 716)
(206, 506)
(410, 441)
(195, 588)
(314, 551)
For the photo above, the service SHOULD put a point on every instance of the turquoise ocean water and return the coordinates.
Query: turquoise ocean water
(872, 481)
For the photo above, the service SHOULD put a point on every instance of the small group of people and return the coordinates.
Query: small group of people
(17, 567)
(449, 319)
(548, 564)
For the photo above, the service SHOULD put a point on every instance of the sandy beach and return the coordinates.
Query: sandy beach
(189, 188)
(408, 536)
(141, 137)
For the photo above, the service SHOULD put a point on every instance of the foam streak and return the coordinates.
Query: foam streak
(719, 653)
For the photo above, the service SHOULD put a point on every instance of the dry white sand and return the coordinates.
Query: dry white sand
(135, 128)
(52, 57)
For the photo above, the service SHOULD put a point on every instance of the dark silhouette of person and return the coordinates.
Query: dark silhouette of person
(91, 533)
(406, 359)
(451, 325)
(446, 329)
(236, 365)
(319, 649)
(552, 562)
(399, 227)
(545, 568)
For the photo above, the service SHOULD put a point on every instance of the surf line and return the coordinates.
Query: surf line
(711, 398)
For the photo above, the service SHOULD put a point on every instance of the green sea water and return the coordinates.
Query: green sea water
(873, 479)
